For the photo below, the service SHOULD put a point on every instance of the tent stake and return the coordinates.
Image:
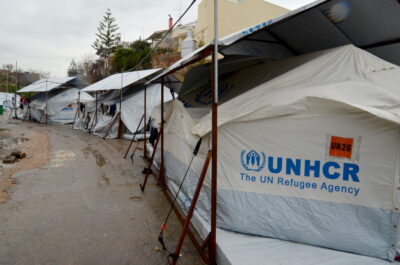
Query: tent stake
(196, 194)
(148, 169)
(134, 135)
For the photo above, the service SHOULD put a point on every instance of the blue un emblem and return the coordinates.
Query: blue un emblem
(253, 161)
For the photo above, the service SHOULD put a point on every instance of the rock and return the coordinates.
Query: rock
(9, 160)
(157, 249)
(13, 181)
(18, 154)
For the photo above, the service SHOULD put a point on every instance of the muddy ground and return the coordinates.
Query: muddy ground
(75, 200)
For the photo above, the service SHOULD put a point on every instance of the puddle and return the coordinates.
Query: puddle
(100, 160)
(59, 157)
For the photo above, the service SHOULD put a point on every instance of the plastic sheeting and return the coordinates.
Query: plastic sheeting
(6, 100)
(281, 172)
(132, 109)
(120, 80)
(47, 84)
(61, 105)
(321, 25)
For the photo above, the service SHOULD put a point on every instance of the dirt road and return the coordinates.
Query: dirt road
(84, 206)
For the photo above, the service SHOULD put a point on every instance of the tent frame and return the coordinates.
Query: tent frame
(210, 241)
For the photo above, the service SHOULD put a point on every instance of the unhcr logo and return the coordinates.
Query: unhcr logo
(252, 160)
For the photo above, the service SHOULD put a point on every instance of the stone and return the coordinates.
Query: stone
(18, 154)
(9, 160)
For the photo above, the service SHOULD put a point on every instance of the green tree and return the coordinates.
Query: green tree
(73, 69)
(128, 58)
(107, 36)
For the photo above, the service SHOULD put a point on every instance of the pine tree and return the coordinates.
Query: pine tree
(72, 69)
(107, 37)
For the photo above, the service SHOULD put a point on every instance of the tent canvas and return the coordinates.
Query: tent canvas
(236, 76)
(320, 25)
(279, 173)
(61, 105)
(6, 100)
(48, 84)
(132, 108)
(121, 80)
(241, 249)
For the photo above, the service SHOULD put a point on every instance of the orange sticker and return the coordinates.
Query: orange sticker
(341, 147)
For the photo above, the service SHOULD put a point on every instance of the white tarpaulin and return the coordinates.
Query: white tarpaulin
(132, 109)
(311, 156)
(46, 84)
(120, 80)
(61, 105)
(6, 99)
(320, 25)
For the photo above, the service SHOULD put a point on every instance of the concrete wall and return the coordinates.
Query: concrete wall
(234, 15)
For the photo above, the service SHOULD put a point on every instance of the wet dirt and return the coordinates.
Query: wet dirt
(37, 155)
(77, 201)
(104, 182)
(100, 160)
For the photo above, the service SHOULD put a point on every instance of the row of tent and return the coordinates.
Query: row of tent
(308, 128)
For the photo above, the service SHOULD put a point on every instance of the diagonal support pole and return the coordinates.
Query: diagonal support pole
(148, 169)
(134, 135)
(189, 216)
(111, 125)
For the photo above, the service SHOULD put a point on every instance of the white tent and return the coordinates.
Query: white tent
(48, 84)
(309, 156)
(61, 105)
(126, 88)
(120, 80)
(6, 99)
(132, 110)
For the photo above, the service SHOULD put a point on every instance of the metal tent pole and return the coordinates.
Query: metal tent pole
(7, 85)
(148, 169)
(214, 143)
(94, 119)
(46, 101)
(78, 108)
(134, 135)
(145, 123)
(190, 212)
(161, 178)
(16, 87)
(95, 113)
(120, 129)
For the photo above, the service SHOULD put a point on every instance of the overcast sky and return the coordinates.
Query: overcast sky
(46, 34)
